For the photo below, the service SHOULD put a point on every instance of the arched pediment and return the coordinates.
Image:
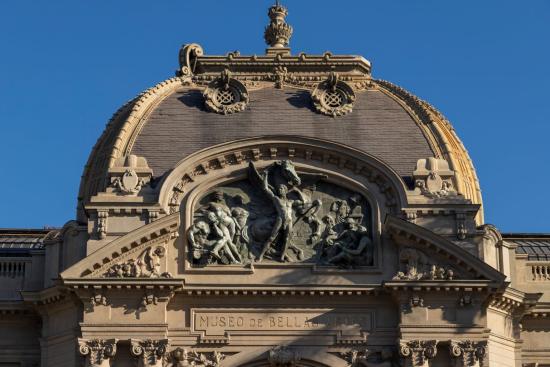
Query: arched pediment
(308, 153)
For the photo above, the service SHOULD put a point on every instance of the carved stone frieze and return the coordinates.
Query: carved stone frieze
(417, 353)
(181, 357)
(468, 353)
(416, 265)
(226, 95)
(333, 97)
(149, 352)
(98, 352)
(146, 265)
(280, 215)
(283, 356)
(433, 178)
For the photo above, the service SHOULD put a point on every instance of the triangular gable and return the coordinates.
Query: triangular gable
(142, 242)
(438, 248)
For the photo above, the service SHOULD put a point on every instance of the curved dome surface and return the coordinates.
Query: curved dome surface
(169, 122)
(180, 125)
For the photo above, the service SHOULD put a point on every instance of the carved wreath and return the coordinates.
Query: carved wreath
(333, 97)
(226, 95)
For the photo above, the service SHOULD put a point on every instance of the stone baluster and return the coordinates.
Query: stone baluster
(98, 352)
(467, 353)
(417, 353)
(149, 352)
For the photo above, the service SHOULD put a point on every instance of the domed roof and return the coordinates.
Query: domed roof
(217, 99)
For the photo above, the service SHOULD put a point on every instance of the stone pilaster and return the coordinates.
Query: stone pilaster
(467, 353)
(149, 352)
(417, 353)
(98, 352)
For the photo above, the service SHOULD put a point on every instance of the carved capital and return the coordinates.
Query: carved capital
(467, 353)
(98, 352)
(417, 353)
(149, 352)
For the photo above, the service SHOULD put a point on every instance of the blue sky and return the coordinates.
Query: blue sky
(67, 65)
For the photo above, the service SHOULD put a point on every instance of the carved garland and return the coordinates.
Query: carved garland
(237, 157)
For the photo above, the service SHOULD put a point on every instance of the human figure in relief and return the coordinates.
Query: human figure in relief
(351, 244)
(284, 221)
(223, 240)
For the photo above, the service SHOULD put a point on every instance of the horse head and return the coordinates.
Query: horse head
(288, 171)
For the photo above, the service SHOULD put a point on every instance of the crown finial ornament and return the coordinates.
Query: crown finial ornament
(278, 32)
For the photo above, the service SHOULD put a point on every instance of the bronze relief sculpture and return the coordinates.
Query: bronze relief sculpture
(278, 215)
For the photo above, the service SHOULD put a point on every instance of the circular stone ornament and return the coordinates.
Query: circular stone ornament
(226, 95)
(333, 97)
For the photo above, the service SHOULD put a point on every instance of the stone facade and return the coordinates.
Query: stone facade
(275, 210)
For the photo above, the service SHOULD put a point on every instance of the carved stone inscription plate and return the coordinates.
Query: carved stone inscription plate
(218, 322)
(278, 214)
